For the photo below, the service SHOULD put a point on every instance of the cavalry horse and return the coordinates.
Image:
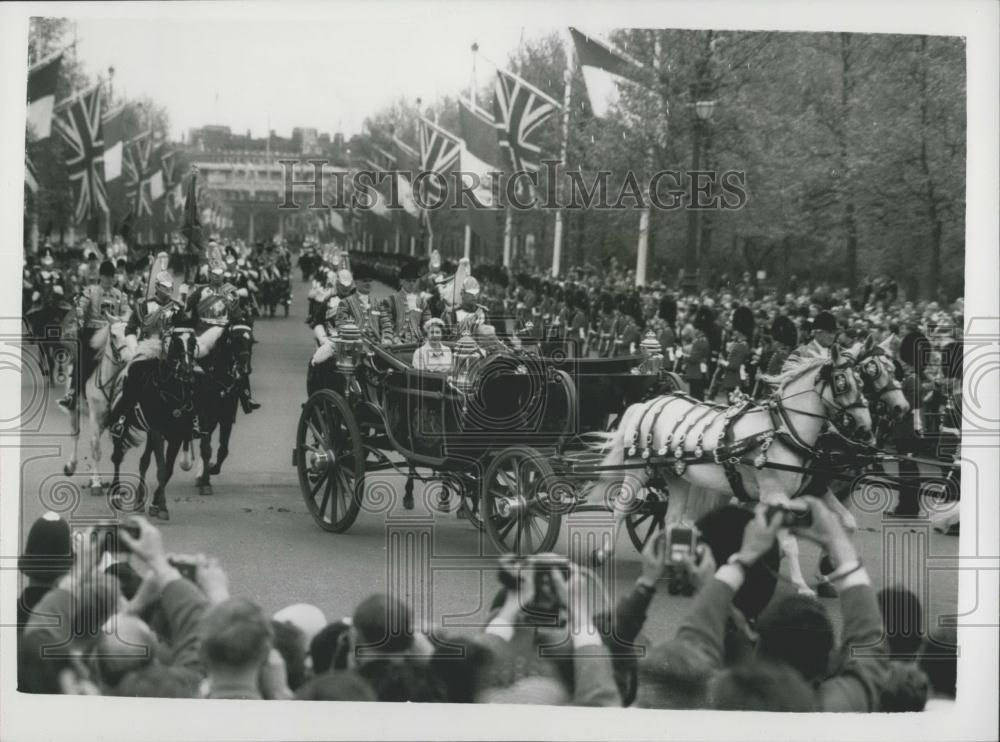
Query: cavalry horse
(699, 446)
(217, 393)
(158, 398)
(100, 391)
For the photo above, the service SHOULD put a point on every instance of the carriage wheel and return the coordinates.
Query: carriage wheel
(331, 461)
(514, 504)
(642, 523)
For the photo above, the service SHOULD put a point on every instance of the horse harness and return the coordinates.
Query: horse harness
(728, 451)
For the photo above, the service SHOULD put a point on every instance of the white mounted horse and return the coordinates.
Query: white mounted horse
(709, 453)
(100, 391)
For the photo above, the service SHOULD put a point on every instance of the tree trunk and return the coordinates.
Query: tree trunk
(850, 222)
(930, 191)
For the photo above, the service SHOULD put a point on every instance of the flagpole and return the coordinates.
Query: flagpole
(563, 150)
(472, 99)
(642, 250)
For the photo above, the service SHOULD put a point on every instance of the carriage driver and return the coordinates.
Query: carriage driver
(324, 318)
(405, 312)
(359, 308)
(97, 303)
(213, 305)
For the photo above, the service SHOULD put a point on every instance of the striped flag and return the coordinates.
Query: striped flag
(136, 164)
(480, 152)
(408, 162)
(439, 153)
(114, 138)
(519, 109)
(42, 81)
(170, 203)
(81, 129)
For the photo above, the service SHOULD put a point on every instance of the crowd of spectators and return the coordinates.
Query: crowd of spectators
(112, 612)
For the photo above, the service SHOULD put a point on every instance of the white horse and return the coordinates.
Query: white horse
(707, 452)
(100, 391)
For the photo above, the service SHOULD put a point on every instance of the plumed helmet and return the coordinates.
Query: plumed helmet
(47, 259)
(743, 321)
(783, 330)
(345, 278)
(217, 267)
(470, 286)
(107, 269)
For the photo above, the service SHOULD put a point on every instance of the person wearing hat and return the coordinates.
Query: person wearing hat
(696, 355)
(924, 396)
(47, 556)
(433, 355)
(359, 308)
(89, 271)
(469, 314)
(405, 312)
(96, 306)
(824, 334)
(154, 317)
(737, 352)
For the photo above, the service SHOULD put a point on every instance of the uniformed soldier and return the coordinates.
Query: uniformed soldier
(360, 308)
(156, 316)
(96, 305)
(467, 316)
(405, 312)
(216, 304)
(737, 352)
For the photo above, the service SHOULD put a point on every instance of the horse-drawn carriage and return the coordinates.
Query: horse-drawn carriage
(498, 433)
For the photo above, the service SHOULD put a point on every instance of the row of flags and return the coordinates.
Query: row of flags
(123, 178)
(504, 138)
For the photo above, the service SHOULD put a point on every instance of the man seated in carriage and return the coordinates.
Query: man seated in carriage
(323, 318)
(359, 307)
(405, 312)
(96, 305)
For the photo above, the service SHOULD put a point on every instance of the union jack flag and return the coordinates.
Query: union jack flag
(171, 211)
(81, 130)
(518, 110)
(137, 165)
(439, 153)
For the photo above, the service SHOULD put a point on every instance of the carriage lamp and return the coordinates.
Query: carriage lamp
(347, 346)
(466, 351)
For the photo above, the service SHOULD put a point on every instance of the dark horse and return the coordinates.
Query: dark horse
(217, 392)
(158, 398)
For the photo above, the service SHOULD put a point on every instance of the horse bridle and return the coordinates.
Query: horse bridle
(837, 414)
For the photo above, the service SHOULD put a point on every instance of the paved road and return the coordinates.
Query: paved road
(258, 526)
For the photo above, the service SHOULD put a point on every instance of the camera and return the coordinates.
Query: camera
(794, 516)
(681, 543)
(545, 604)
(188, 570)
(107, 538)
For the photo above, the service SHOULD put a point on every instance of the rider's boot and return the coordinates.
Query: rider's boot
(246, 399)
(118, 426)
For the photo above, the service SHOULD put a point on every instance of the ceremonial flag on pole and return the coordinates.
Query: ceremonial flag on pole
(81, 129)
(439, 153)
(519, 110)
(42, 81)
(136, 165)
(169, 203)
(192, 225)
(114, 140)
(408, 165)
(604, 69)
(480, 156)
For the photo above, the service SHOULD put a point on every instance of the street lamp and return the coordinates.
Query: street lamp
(703, 108)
